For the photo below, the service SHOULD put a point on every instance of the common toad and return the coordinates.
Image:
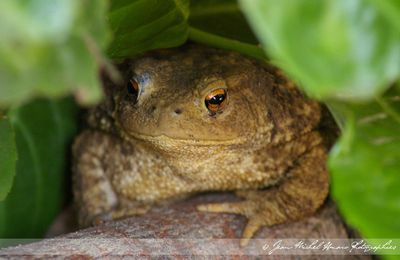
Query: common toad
(196, 119)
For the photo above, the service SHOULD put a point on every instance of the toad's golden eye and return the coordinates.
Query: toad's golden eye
(216, 100)
(133, 87)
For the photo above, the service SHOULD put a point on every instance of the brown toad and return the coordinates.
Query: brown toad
(197, 119)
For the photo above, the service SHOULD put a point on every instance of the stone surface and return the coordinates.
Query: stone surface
(179, 230)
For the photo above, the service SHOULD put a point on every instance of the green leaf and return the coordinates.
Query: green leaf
(44, 129)
(141, 25)
(222, 18)
(390, 10)
(221, 24)
(50, 48)
(365, 166)
(8, 156)
(336, 49)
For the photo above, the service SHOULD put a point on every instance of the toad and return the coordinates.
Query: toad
(196, 119)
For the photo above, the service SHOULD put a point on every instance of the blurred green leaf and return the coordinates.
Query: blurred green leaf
(390, 10)
(50, 48)
(141, 25)
(44, 129)
(337, 48)
(365, 166)
(8, 156)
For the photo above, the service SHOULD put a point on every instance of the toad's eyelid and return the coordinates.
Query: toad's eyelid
(213, 85)
(142, 78)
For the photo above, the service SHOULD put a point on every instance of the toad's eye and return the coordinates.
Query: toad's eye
(215, 101)
(133, 87)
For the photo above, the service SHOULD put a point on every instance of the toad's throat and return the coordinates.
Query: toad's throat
(164, 138)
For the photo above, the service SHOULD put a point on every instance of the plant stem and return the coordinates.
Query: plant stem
(225, 43)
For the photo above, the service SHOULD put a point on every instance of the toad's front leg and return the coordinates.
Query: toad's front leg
(300, 195)
(94, 195)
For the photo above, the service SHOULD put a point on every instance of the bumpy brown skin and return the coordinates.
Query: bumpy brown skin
(165, 144)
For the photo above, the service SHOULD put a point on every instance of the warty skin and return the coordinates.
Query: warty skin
(163, 143)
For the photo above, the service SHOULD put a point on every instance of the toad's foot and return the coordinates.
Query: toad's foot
(298, 196)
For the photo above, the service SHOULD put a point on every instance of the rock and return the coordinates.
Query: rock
(180, 230)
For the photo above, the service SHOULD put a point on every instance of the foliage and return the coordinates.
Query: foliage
(43, 130)
(345, 53)
(8, 156)
(365, 164)
(140, 25)
(50, 48)
(47, 48)
(348, 50)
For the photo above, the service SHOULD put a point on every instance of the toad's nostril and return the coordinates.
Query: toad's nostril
(152, 109)
(178, 111)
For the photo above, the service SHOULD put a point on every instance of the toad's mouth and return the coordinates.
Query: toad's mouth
(166, 139)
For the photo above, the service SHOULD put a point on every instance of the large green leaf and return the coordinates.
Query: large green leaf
(223, 18)
(50, 48)
(141, 25)
(221, 24)
(43, 131)
(365, 166)
(335, 48)
(8, 156)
